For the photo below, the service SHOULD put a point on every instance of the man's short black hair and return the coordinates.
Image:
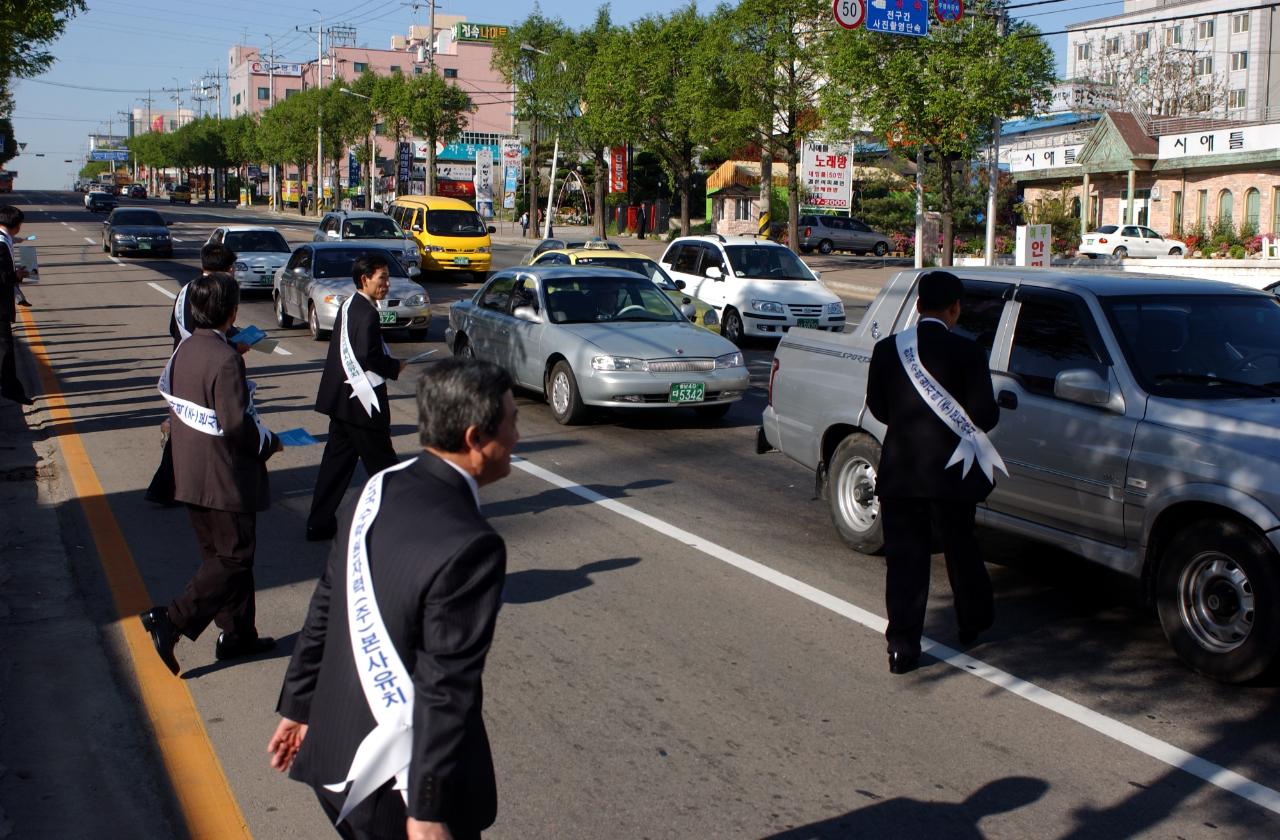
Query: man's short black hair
(455, 394)
(366, 264)
(213, 298)
(938, 290)
(215, 256)
(11, 217)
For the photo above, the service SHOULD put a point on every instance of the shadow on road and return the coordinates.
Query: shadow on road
(531, 586)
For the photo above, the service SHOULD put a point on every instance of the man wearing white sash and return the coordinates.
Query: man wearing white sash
(220, 450)
(353, 393)
(381, 704)
(932, 390)
(11, 275)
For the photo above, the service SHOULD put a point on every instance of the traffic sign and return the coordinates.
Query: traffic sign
(899, 17)
(948, 11)
(118, 155)
(849, 13)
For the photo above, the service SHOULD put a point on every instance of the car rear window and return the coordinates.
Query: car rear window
(137, 217)
(1107, 229)
(372, 227)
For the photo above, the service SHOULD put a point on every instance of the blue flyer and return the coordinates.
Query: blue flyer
(296, 437)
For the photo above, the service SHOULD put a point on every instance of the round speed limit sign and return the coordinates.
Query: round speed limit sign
(849, 13)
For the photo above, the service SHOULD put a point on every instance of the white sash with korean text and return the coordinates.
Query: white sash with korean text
(206, 419)
(974, 443)
(362, 382)
(388, 689)
(180, 314)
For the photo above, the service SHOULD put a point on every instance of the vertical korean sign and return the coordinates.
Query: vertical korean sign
(827, 175)
(1032, 249)
(484, 183)
(510, 171)
(618, 169)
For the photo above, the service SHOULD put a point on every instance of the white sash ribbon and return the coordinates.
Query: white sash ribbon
(388, 689)
(180, 314)
(362, 381)
(974, 443)
(206, 419)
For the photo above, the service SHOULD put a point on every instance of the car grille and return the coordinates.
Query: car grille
(461, 251)
(805, 310)
(681, 365)
(710, 396)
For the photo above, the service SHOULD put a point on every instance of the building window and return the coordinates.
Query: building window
(1240, 23)
(235, 99)
(1236, 98)
(1082, 52)
(1113, 45)
(1204, 29)
(1226, 208)
(1177, 212)
(379, 129)
(1111, 77)
(290, 92)
(741, 209)
(451, 72)
(1142, 41)
(1173, 35)
(1204, 66)
(417, 71)
(1075, 207)
(263, 93)
(1202, 211)
(1240, 60)
(1253, 209)
(360, 66)
(395, 68)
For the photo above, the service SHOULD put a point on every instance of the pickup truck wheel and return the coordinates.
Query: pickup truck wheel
(855, 510)
(881, 249)
(562, 393)
(1218, 595)
(824, 247)
(731, 327)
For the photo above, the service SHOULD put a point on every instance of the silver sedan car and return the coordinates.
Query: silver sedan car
(316, 281)
(259, 250)
(586, 336)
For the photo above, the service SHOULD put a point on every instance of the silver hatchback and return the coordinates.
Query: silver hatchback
(838, 233)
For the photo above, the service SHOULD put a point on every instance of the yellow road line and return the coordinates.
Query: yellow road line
(209, 807)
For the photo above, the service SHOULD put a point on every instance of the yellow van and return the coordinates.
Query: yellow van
(450, 234)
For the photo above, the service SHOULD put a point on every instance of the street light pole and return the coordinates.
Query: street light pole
(555, 154)
(993, 166)
(373, 149)
(319, 113)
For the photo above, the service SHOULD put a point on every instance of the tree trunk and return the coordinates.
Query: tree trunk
(430, 186)
(601, 179)
(793, 197)
(766, 184)
(684, 175)
(948, 240)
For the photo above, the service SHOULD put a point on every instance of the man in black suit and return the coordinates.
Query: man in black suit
(11, 275)
(220, 450)
(924, 474)
(412, 677)
(359, 415)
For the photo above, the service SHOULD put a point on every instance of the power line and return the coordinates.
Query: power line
(1115, 24)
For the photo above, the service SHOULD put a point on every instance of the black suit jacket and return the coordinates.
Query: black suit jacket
(917, 445)
(227, 472)
(9, 281)
(334, 397)
(439, 590)
(176, 334)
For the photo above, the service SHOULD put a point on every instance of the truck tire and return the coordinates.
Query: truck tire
(851, 484)
(1218, 596)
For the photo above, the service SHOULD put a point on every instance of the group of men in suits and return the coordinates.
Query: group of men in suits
(11, 277)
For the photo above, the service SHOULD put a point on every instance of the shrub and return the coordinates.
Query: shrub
(1237, 252)
(1223, 233)
(904, 243)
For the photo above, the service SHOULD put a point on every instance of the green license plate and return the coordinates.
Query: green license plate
(687, 392)
(144, 246)
(811, 323)
(386, 317)
(462, 261)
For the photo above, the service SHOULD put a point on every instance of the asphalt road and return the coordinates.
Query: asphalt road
(660, 668)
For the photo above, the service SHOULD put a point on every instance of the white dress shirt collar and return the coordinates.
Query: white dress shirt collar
(936, 321)
(471, 482)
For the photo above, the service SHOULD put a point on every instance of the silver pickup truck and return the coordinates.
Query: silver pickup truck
(1139, 420)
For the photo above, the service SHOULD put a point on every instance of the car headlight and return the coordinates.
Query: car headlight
(618, 363)
(711, 319)
(123, 237)
(161, 237)
(415, 301)
(483, 249)
(835, 309)
(336, 300)
(242, 266)
(768, 306)
(730, 360)
(430, 249)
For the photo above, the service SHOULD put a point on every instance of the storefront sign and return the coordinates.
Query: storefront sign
(826, 171)
(618, 169)
(484, 183)
(455, 189)
(406, 162)
(1045, 157)
(478, 31)
(1033, 249)
(1250, 138)
(455, 171)
(455, 151)
(265, 68)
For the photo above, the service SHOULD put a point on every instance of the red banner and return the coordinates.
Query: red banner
(618, 169)
(456, 189)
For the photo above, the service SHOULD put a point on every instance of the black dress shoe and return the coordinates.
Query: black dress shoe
(163, 635)
(321, 534)
(903, 663)
(236, 647)
(968, 636)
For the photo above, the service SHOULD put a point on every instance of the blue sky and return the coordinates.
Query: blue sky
(129, 46)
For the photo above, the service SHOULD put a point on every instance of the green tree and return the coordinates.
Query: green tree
(287, 130)
(9, 147)
(437, 113)
(27, 28)
(941, 92)
(602, 119)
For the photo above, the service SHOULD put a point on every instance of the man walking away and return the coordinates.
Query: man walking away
(389, 662)
(11, 276)
(642, 221)
(220, 449)
(359, 414)
(932, 390)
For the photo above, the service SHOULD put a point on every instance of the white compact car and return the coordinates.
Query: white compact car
(758, 287)
(1129, 241)
(260, 252)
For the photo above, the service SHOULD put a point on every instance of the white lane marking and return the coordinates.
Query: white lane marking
(64, 224)
(162, 290)
(116, 260)
(69, 227)
(281, 351)
(90, 241)
(1214, 774)
(176, 239)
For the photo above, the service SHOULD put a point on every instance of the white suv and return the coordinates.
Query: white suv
(758, 287)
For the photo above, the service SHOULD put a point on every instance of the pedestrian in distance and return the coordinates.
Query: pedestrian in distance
(11, 277)
(353, 393)
(932, 390)
(524, 223)
(302, 204)
(220, 450)
(384, 691)
(642, 221)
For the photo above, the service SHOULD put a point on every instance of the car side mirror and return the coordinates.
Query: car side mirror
(817, 275)
(526, 313)
(714, 272)
(688, 310)
(680, 284)
(1087, 387)
(414, 272)
(417, 228)
(492, 229)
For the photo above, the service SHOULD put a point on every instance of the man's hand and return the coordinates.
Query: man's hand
(23, 274)
(403, 365)
(420, 830)
(284, 744)
(241, 348)
(279, 445)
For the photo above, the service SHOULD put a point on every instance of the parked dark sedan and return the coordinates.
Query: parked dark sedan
(137, 231)
(137, 191)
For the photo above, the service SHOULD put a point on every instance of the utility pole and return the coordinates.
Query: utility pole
(993, 166)
(319, 200)
(271, 100)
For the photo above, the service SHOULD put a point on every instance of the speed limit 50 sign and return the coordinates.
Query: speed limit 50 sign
(849, 13)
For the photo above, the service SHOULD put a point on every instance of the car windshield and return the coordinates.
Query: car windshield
(589, 300)
(1201, 346)
(336, 262)
(455, 223)
(648, 268)
(768, 262)
(137, 217)
(373, 227)
(256, 242)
